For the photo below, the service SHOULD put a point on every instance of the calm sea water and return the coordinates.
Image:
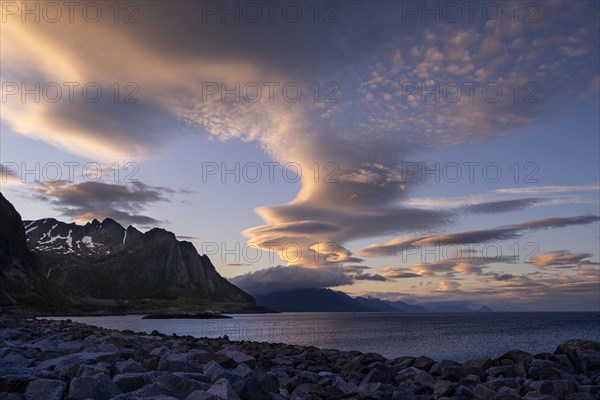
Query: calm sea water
(440, 336)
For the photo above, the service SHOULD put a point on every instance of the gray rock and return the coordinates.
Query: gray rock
(67, 369)
(345, 387)
(583, 354)
(498, 383)
(45, 389)
(456, 373)
(216, 372)
(470, 380)
(401, 363)
(374, 376)
(556, 388)
(505, 371)
(175, 385)
(9, 396)
(443, 388)
(129, 382)
(309, 377)
(98, 387)
(538, 396)
(239, 357)
(423, 363)
(15, 383)
(7, 368)
(250, 388)
(179, 366)
(91, 370)
(484, 393)
(464, 392)
(580, 396)
(519, 359)
(480, 363)
(438, 368)
(201, 395)
(407, 373)
(223, 390)
(424, 379)
(129, 366)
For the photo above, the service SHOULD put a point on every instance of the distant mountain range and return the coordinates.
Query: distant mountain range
(102, 265)
(327, 300)
(311, 300)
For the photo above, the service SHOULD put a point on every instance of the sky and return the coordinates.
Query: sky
(426, 152)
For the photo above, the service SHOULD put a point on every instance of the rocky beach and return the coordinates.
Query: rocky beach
(43, 359)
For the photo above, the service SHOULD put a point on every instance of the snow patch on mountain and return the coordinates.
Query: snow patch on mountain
(88, 241)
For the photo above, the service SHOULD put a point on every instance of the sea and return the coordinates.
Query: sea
(453, 336)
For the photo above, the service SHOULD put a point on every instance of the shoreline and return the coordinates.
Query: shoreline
(61, 358)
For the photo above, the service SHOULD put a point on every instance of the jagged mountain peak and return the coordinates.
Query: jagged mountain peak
(105, 260)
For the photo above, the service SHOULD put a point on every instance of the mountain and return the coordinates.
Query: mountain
(327, 300)
(404, 307)
(455, 308)
(22, 285)
(376, 304)
(389, 306)
(311, 300)
(103, 260)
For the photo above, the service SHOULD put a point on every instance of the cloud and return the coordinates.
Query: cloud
(88, 200)
(464, 262)
(169, 56)
(397, 246)
(191, 238)
(511, 292)
(503, 206)
(562, 258)
(511, 199)
(237, 265)
(448, 286)
(283, 279)
(554, 189)
(398, 273)
(589, 272)
(369, 277)
(499, 277)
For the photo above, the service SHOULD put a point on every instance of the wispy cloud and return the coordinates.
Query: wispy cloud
(561, 258)
(88, 200)
(511, 199)
(397, 246)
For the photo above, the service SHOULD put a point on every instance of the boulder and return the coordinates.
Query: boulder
(129, 382)
(222, 389)
(98, 387)
(15, 383)
(129, 366)
(443, 388)
(583, 354)
(239, 357)
(49, 389)
(175, 385)
(423, 363)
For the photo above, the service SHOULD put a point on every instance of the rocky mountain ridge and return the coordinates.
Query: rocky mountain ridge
(107, 261)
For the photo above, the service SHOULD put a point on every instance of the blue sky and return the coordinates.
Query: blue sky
(373, 62)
